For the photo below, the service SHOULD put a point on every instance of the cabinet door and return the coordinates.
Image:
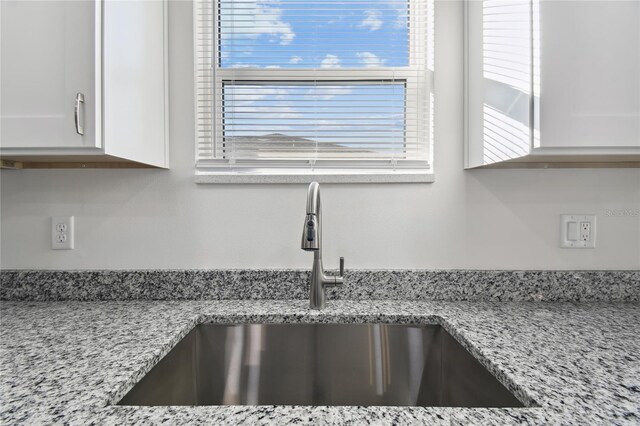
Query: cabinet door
(590, 74)
(47, 58)
(499, 81)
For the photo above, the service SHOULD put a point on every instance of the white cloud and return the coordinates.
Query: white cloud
(325, 93)
(287, 38)
(402, 19)
(282, 111)
(295, 60)
(269, 108)
(244, 96)
(401, 10)
(330, 61)
(241, 65)
(260, 20)
(254, 101)
(336, 19)
(370, 60)
(373, 20)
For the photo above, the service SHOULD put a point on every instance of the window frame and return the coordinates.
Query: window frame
(208, 83)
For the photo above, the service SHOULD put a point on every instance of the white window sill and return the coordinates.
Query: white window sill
(321, 176)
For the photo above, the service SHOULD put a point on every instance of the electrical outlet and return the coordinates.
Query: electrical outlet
(62, 233)
(577, 231)
(585, 231)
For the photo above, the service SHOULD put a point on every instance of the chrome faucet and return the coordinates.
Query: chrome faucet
(312, 241)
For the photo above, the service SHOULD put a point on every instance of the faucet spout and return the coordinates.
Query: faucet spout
(312, 241)
(313, 199)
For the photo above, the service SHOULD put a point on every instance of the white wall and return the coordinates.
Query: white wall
(506, 219)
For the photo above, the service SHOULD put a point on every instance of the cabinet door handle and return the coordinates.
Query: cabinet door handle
(79, 126)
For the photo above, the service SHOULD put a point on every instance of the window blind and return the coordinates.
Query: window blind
(313, 84)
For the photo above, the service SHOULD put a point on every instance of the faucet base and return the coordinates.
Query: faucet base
(317, 295)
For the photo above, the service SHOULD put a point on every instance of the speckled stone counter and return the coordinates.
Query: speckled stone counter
(278, 284)
(68, 362)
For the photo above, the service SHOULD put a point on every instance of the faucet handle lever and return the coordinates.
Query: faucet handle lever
(341, 266)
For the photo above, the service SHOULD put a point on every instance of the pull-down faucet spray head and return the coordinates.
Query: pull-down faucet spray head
(311, 231)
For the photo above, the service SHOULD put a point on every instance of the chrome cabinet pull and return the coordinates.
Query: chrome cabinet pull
(79, 126)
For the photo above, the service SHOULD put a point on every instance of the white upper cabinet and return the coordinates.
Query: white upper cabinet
(555, 82)
(48, 57)
(590, 74)
(83, 82)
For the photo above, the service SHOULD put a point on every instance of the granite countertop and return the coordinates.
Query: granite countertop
(68, 362)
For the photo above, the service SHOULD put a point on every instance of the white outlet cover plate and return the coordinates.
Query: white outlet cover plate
(567, 241)
(62, 226)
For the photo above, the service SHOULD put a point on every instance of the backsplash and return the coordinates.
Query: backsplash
(451, 285)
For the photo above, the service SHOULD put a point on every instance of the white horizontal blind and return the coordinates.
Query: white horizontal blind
(320, 83)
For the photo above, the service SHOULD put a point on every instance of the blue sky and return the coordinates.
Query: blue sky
(313, 34)
(371, 115)
(316, 34)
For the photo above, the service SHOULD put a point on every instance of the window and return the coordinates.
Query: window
(314, 86)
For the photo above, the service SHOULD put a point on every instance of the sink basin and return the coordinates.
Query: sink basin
(320, 364)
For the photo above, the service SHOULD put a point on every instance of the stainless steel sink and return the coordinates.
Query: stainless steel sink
(320, 364)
